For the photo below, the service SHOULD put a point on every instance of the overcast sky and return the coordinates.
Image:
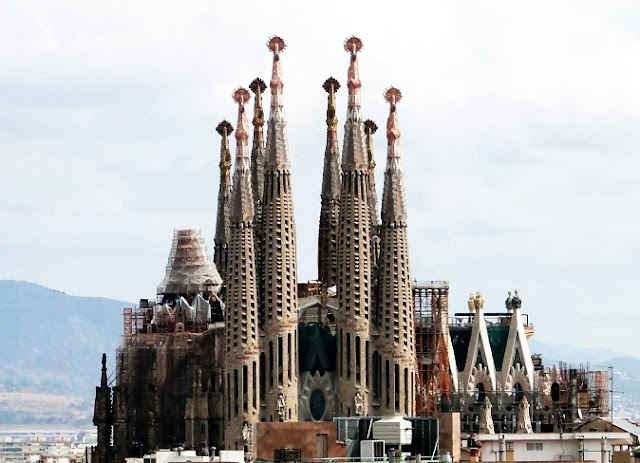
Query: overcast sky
(519, 141)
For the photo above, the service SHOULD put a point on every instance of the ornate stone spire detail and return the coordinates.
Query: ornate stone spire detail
(354, 259)
(277, 157)
(393, 202)
(221, 240)
(354, 153)
(242, 197)
(258, 150)
(330, 196)
(280, 282)
(370, 128)
(242, 345)
(258, 153)
(353, 45)
(395, 299)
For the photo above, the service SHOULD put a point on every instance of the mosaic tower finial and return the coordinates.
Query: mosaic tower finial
(393, 96)
(242, 96)
(276, 45)
(353, 45)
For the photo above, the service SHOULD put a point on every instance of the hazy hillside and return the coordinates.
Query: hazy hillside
(51, 343)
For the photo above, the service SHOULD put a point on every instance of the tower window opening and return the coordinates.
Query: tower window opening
(271, 364)
(358, 361)
(348, 355)
(396, 384)
(388, 383)
(245, 387)
(280, 365)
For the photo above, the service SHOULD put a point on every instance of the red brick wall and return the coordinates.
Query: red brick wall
(301, 436)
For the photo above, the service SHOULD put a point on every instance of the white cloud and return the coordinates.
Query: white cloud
(519, 136)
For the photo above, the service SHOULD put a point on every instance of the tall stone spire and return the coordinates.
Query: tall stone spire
(258, 151)
(102, 416)
(330, 206)
(258, 87)
(370, 128)
(354, 261)
(225, 129)
(396, 342)
(242, 383)
(279, 295)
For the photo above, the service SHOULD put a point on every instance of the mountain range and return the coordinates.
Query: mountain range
(51, 344)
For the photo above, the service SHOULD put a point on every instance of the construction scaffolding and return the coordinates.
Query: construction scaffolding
(432, 353)
(581, 394)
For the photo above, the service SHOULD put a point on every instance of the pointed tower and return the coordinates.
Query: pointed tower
(242, 349)
(225, 129)
(517, 366)
(102, 416)
(258, 153)
(280, 298)
(370, 128)
(120, 414)
(354, 261)
(330, 206)
(258, 150)
(479, 374)
(396, 343)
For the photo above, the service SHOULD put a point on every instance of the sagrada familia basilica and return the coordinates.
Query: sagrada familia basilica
(236, 353)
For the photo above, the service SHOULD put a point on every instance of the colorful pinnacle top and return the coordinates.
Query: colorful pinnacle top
(393, 96)
(370, 128)
(331, 85)
(353, 45)
(276, 45)
(242, 96)
(258, 87)
(225, 129)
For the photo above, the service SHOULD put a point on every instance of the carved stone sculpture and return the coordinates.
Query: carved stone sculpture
(359, 403)
(282, 405)
(516, 302)
(509, 302)
(523, 423)
(478, 301)
(471, 302)
(486, 420)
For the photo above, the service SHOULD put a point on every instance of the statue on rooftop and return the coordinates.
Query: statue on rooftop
(509, 302)
(471, 303)
(523, 419)
(486, 420)
(516, 302)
